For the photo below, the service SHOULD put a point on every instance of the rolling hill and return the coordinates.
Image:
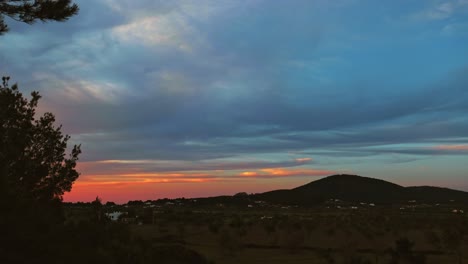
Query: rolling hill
(353, 188)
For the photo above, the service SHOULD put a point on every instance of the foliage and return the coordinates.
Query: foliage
(30, 11)
(403, 253)
(357, 260)
(453, 241)
(33, 163)
(98, 211)
(229, 242)
(34, 174)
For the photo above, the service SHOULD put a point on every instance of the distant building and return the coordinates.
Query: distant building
(114, 216)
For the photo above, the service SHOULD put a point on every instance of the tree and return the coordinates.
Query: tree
(34, 174)
(34, 168)
(229, 242)
(30, 11)
(453, 241)
(403, 253)
(97, 209)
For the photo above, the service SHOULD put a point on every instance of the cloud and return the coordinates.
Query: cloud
(177, 86)
(455, 29)
(137, 177)
(442, 10)
(133, 174)
(452, 147)
(164, 166)
(301, 160)
(153, 31)
(281, 172)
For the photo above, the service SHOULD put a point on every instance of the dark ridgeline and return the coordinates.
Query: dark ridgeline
(353, 188)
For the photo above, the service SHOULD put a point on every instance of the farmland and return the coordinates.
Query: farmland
(335, 232)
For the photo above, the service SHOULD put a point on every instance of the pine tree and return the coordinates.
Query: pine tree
(30, 11)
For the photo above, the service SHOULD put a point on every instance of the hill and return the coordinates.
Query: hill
(353, 188)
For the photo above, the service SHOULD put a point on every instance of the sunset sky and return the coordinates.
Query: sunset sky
(201, 98)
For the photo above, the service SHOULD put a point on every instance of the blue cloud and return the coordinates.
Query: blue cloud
(177, 81)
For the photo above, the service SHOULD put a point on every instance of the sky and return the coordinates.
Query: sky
(203, 98)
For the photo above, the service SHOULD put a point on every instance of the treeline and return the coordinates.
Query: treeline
(40, 234)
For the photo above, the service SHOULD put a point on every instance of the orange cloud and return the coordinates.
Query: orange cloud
(452, 147)
(138, 178)
(282, 172)
(142, 181)
(296, 172)
(249, 173)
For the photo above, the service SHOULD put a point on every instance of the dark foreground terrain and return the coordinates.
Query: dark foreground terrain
(248, 229)
(281, 234)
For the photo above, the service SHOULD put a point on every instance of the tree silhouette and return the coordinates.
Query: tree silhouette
(30, 11)
(33, 164)
(97, 210)
(34, 174)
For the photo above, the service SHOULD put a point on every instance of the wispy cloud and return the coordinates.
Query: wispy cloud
(111, 166)
(234, 89)
(452, 147)
(442, 10)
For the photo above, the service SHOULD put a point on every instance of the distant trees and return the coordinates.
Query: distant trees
(135, 203)
(98, 210)
(110, 204)
(30, 11)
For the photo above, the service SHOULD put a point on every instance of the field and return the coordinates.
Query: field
(314, 235)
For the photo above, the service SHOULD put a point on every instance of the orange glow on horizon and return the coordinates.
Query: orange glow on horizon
(131, 183)
(123, 192)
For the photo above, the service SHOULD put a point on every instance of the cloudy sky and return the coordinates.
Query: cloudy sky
(201, 98)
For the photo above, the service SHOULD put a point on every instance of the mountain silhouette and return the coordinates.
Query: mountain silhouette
(354, 188)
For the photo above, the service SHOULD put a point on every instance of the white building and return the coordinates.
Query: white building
(114, 216)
